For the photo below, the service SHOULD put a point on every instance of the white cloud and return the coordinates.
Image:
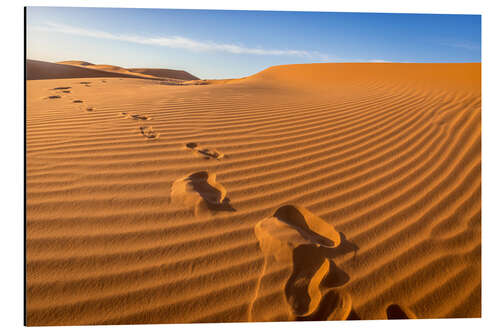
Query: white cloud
(180, 42)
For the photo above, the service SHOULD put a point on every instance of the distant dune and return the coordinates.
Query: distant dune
(165, 73)
(107, 68)
(40, 70)
(142, 72)
(76, 63)
(303, 192)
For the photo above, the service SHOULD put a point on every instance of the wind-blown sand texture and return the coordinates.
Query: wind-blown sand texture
(326, 191)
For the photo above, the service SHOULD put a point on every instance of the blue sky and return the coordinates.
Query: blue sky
(230, 44)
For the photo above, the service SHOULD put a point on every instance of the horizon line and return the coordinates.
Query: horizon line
(291, 64)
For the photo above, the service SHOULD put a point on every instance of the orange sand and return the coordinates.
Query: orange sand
(304, 192)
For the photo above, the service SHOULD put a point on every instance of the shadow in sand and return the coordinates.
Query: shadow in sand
(353, 315)
(225, 205)
(309, 226)
(139, 117)
(213, 193)
(395, 311)
(335, 277)
(314, 265)
(308, 264)
(345, 247)
(335, 305)
(210, 153)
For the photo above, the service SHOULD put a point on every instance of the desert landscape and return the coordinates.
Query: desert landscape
(324, 191)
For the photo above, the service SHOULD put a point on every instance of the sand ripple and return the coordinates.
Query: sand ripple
(380, 165)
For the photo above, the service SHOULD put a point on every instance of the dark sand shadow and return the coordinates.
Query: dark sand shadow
(396, 311)
(212, 193)
(353, 315)
(139, 117)
(345, 247)
(308, 261)
(334, 305)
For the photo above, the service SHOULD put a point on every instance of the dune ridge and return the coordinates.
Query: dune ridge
(165, 73)
(42, 70)
(303, 192)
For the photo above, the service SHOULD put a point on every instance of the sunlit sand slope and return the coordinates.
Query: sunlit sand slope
(304, 192)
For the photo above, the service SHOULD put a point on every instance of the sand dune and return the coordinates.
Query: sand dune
(76, 63)
(157, 73)
(107, 69)
(165, 73)
(41, 70)
(355, 193)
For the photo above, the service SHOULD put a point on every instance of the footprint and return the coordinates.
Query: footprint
(396, 311)
(61, 88)
(294, 226)
(200, 188)
(206, 153)
(335, 305)
(139, 117)
(301, 246)
(135, 116)
(77, 101)
(90, 109)
(54, 97)
(148, 132)
(211, 153)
